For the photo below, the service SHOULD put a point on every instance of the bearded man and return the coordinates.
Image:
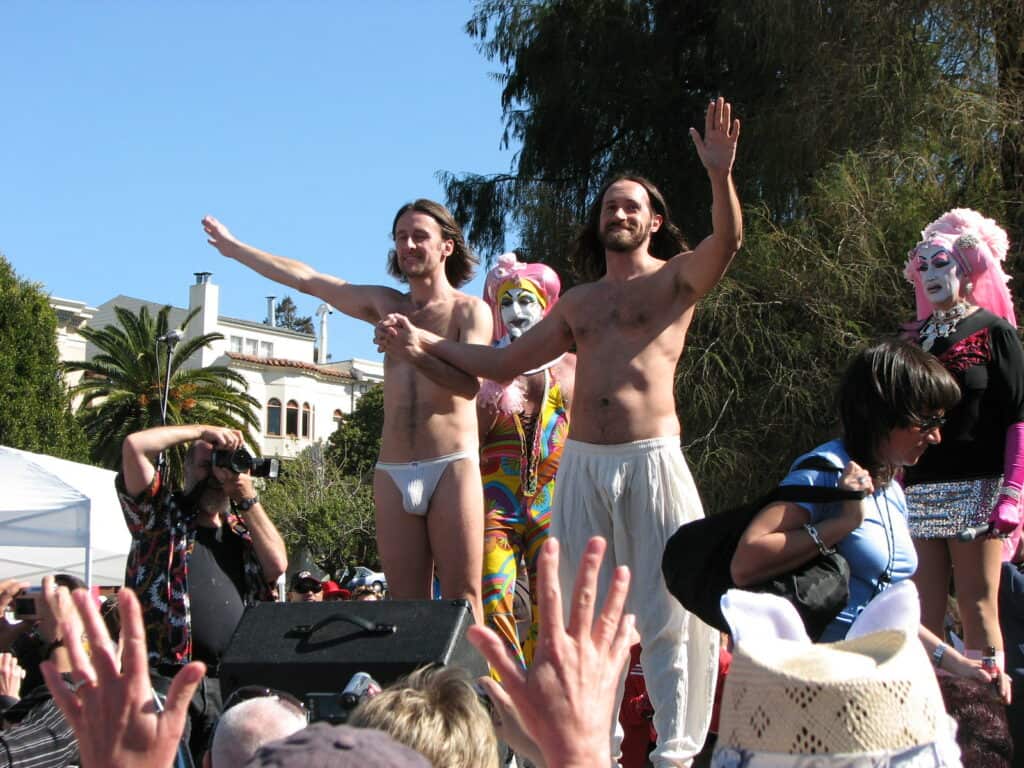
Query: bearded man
(623, 475)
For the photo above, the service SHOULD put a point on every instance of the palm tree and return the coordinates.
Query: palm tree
(123, 387)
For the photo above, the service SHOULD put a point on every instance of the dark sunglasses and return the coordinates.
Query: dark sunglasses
(305, 587)
(929, 423)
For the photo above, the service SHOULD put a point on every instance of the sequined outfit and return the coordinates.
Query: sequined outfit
(955, 484)
(518, 471)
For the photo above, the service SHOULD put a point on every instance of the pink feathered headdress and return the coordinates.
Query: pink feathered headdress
(541, 280)
(979, 246)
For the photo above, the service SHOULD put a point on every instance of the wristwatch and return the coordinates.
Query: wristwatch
(246, 504)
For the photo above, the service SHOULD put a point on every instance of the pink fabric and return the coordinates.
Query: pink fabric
(1006, 516)
(978, 245)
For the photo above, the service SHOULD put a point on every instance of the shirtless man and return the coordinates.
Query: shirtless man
(427, 489)
(622, 474)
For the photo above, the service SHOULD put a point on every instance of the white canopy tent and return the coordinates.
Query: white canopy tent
(59, 516)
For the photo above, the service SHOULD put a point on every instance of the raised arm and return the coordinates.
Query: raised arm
(700, 270)
(140, 449)
(364, 302)
(542, 343)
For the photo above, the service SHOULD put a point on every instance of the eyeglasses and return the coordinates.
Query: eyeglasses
(247, 692)
(305, 587)
(929, 423)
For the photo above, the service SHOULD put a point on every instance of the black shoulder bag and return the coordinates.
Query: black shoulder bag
(698, 556)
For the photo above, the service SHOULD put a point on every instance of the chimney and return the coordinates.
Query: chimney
(320, 356)
(205, 295)
(271, 320)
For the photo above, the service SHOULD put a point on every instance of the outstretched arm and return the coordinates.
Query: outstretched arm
(363, 302)
(701, 269)
(541, 344)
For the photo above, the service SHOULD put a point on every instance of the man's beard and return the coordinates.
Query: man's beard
(622, 239)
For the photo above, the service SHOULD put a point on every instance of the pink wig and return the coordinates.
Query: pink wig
(542, 278)
(978, 246)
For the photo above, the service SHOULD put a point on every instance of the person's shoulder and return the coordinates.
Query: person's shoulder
(467, 307)
(820, 466)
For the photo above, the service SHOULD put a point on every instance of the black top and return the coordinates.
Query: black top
(984, 355)
(216, 586)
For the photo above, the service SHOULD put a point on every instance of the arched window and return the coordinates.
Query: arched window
(291, 424)
(273, 416)
(307, 419)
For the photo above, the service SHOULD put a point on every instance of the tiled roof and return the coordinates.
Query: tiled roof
(282, 363)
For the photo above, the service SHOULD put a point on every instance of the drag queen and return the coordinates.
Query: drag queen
(975, 475)
(522, 429)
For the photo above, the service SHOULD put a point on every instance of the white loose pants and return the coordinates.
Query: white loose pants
(636, 495)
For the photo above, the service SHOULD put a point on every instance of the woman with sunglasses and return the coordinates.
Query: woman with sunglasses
(892, 399)
(974, 478)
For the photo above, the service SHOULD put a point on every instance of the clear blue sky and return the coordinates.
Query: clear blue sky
(302, 125)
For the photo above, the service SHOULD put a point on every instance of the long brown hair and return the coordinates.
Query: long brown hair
(587, 253)
(460, 265)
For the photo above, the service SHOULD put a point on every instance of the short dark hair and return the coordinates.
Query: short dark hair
(460, 265)
(586, 255)
(888, 385)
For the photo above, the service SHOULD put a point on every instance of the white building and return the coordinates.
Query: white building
(301, 394)
(71, 316)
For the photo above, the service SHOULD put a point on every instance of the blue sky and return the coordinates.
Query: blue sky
(302, 125)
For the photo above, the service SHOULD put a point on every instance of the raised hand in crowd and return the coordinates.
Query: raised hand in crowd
(11, 632)
(566, 699)
(11, 675)
(111, 705)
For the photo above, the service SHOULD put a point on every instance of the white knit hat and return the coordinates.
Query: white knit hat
(868, 701)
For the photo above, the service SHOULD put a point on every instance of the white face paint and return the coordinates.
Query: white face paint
(520, 311)
(939, 277)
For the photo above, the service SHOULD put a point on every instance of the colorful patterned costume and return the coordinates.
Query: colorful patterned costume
(518, 471)
(519, 456)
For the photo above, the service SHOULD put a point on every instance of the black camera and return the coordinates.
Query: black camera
(240, 460)
(335, 708)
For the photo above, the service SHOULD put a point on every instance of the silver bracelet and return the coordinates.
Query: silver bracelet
(813, 533)
(1010, 491)
(937, 655)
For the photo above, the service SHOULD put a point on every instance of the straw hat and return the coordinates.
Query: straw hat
(873, 700)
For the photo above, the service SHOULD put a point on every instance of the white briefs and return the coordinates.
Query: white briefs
(417, 480)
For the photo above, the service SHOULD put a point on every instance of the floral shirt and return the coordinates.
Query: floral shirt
(163, 527)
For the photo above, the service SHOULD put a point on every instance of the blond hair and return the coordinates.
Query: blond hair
(435, 711)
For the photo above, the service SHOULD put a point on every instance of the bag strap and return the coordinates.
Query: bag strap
(814, 494)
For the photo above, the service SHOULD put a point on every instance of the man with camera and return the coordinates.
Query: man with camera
(199, 555)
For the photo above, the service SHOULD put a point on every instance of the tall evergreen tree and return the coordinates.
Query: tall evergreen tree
(286, 316)
(36, 414)
(862, 121)
(123, 387)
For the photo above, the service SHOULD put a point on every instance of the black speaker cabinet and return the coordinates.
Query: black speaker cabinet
(316, 647)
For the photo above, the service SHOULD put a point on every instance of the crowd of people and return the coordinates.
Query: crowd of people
(531, 445)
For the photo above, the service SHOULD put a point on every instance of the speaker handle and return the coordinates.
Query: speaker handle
(308, 630)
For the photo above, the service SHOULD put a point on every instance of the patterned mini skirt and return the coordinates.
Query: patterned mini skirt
(942, 510)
